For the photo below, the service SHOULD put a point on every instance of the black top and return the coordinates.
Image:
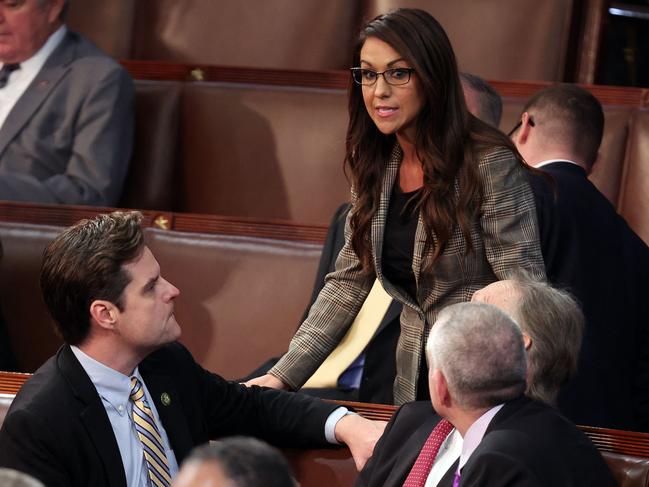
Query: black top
(399, 240)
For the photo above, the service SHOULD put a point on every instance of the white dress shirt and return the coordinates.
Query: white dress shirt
(20, 79)
(114, 388)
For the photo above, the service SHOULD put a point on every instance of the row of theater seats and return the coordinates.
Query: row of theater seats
(267, 146)
(528, 39)
(625, 452)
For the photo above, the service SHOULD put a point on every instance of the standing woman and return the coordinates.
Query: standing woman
(441, 206)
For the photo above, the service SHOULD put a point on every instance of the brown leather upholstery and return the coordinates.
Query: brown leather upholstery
(629, 471)
(150, 182)
(30, 328)
(263, 151)
(262, 33)
(507, 39)
(634, 195)
(233, 314)
(107, 23)
(607, 171)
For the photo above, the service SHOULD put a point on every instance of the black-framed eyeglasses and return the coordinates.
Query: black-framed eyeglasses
(393, 76)
(530, 120)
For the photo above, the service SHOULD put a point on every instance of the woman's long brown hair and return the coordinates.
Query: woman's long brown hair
(448, 138)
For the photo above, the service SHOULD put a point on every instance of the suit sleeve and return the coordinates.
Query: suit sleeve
(329, 318)
(229, 408)
(100, 145)
(333, 244)
(28, 445)
(509, 221)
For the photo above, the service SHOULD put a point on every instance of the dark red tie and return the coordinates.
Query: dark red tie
(421, 469)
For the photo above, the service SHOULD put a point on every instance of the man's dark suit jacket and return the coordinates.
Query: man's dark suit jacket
(590, 250)
(379, 370)
(527, 444)
(68, 138)
(58, 431)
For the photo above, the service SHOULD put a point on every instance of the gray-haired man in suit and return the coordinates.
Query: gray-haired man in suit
(66, 110)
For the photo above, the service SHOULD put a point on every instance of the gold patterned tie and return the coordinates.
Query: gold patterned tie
(154, 452)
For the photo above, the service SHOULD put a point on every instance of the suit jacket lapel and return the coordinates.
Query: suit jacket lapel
(54, 69)
(378, 226)
(168, 403)
(408, 454)
(94, 418)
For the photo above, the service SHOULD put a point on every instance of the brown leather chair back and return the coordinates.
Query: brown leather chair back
(263, 151)
(634, 194)
(233, 313)
(507, 39)
(107, 23)
(628, 470)
(29, 325)
(150, 182)
(262, 33)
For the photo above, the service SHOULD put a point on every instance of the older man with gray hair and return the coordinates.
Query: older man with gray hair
(483, 430)
(66, 110)
(552, 324)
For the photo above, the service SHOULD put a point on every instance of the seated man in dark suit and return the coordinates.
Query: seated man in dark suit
(122, 403)
(590, 250)
(477, 360)
(66, 110)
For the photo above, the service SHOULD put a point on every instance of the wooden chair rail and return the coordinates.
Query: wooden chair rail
(610, 440)
(159, 70)
(65, 215)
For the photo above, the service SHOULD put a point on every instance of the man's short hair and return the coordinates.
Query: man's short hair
(570, 115)
(490, 104)
(246, 462)
(64, 11)
(480, 351)
(14, 478)
(553, 320)
(85, 263)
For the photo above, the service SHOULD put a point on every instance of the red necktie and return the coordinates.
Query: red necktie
(421, 469)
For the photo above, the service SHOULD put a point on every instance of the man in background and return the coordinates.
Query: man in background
(589, 249)
(66, 110)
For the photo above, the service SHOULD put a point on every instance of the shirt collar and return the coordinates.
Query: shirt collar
(475, 433)
(111, 385)
(550, 161)
(36, 62)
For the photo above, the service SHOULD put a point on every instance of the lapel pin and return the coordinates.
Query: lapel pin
(44, 84)
(165, 399)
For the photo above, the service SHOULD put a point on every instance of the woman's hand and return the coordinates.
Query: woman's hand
(267, 380)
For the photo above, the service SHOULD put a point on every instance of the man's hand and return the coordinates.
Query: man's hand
(360, 435)
(266, 380)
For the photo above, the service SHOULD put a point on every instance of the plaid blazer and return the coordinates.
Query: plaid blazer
(505, 237)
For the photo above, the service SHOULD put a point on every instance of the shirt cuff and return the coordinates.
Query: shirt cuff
(330, 425)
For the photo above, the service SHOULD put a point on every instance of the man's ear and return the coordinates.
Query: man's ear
(104, 313)
(523, 132)
(54, 10)
(441, 388)
(527, 340)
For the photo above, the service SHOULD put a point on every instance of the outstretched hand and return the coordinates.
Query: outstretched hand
(266, 380)
(360, 435)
